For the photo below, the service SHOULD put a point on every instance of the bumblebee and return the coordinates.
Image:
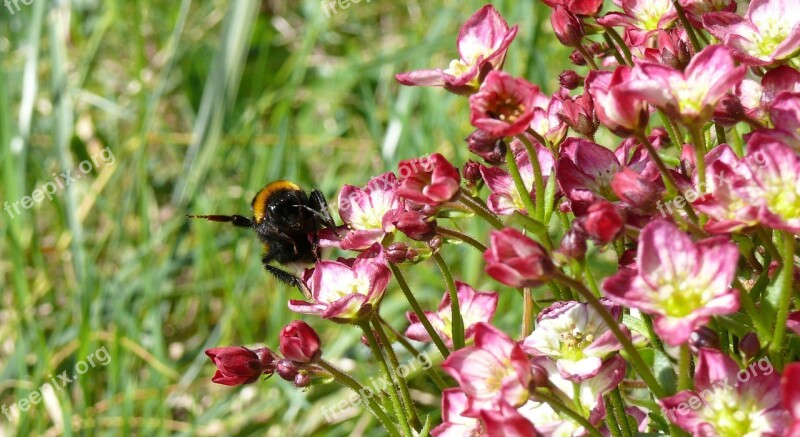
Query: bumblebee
(287, 220)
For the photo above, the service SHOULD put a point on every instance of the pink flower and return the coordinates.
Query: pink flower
(506, 421)
(777, 182)
(364, 211)
(790, 396)
(482, 45)
(727, 400)
(454, 423)
(617, 109)
(689, 96)
(299, 342)
(785, 116)
(726, 177)
(793, 322)
(547, 121)
(346, 290)
(696, 9)
(504, 198)
(641, 18)
(503, 106)
(428, 181)
(575, 336)
(577, 7)
(475, 306)
(680, 282)
(579, 114)
(769, 31)
(238, 365)
(584, 173)
(492, 371)
(517, 261)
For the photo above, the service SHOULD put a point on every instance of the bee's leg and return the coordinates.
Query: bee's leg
(285, 277)
(236, 220)
(322, 213)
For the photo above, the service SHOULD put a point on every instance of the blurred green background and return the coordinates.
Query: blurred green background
(201, 103)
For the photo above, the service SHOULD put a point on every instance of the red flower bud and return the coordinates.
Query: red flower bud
(703, 337)
(516, 260)
(749, 345)
(398, 253)
(299, 342)
(567, 27)
(287, 370)
(472, 172)
(487, 146)
(414, 224)
(238, 365)
(573, 245)
(602, 222)
(570, 80)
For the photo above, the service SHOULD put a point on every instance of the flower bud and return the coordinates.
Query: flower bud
(287, 370)
(398, 253)
(413, 224)
(488, 147)
(567, 27)
(577, 58)
(299, 342)
(749, 345)
(472, 172)
(674, 50)
(238, 365)
(570, 80)
(517, 261)
(573, 245)
(703, 337)
(302, 379)
(602, 222)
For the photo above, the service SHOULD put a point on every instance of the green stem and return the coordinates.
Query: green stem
(538, 179)
(397, 406)
(457, 321)
(634, 357)
(458, 235)
(588, 57)
(684, 367)
(785, 299)
(654, 339)
(622, 416)
(437, 340)
(611, 418)
(622, 46)
(437, 379)
(687, 26)
(527, 312)
(524, 194)
(750, 308)
(669, 182)
(587, 272)
(411, 411)
(558, 406)
(480, 210)
(699, 142)
(352, 384)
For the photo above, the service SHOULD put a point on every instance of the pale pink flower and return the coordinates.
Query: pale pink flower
(475, 306)
(575, 336)
(680, 282)
(689, 96)
(364, 211)
(493, 371)
(729, 401)
(346, 290)
(768, 32)
(482, 45)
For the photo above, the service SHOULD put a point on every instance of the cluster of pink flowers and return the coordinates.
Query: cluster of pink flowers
(647, 213)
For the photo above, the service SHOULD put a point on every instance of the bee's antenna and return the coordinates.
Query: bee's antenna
(236, 220)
